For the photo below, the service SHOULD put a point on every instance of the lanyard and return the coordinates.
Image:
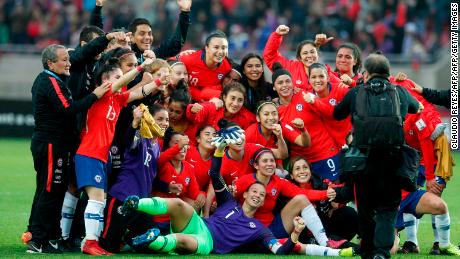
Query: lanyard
(53, 75)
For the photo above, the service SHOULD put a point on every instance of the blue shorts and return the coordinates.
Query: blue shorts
(277, 227)
(90, 172)
(421, 177)
(409, 205)
(327, 168)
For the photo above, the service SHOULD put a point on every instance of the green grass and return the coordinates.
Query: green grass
(17, 185)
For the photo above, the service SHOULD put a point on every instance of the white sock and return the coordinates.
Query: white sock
(433, 226)
(101, 219)
(317, 250)
(410, 223)
(92, 215)
(442, 223)
(67, 213)
(314, 224)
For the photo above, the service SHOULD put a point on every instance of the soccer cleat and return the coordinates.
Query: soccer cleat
(336, 244)
(435, 249)
(409, 248)
(146, 238)
(52, 247)
(450, 250)
(26, 237)
(348, 252)
(92, 247)
(71, 244)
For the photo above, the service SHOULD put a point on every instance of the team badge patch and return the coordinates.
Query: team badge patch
(252, 225)
(274, 191)
(97, 178)
(220, 76)
(333, 102)
(187, 180)
(59, 162)
(114, 149)
(299, 107)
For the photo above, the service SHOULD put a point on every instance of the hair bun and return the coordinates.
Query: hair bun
(222, 123)
(276, 66)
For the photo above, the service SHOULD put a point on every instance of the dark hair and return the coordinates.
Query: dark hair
(262, 104)
(256, 156)
(294, 160)
(136, 22)
(200, 129)
(87, 33)
(154, 108)
(278, 71)
(317, 65)
(244, 79)
(224, 123)
(356, 55)
(254, 183)
(107, 67)
(181, 94)
(215, 34)
(376, 64)
(300, 46)
(119, 53)
(233, 86)
(169, 133)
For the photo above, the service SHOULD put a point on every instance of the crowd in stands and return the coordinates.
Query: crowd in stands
(413, 28)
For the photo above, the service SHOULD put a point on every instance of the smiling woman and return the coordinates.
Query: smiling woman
(208, 67)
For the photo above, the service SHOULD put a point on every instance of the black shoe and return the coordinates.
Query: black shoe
(409, 248)
(379, 256)
(71, 244)
(435, 249)
(50, 247)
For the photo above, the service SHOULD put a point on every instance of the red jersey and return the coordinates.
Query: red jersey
(419, 127)
(209, 115)
(338, 130)
(97, 136)
(186, 177)
(275, 187)
(322, 145)
(232, 169)
(337, 75)
(295, 67)
(205, 83)
(201, 167)
(199, 119)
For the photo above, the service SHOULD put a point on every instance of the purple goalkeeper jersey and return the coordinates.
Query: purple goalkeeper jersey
(231, 229)
(139, 168)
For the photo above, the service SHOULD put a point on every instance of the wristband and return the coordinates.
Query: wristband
(158, 82)
(139, 69)
(218, 154)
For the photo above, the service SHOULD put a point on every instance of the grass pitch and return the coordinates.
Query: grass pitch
(17, 186)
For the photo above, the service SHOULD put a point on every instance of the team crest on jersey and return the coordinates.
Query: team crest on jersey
(299, 107)
(274, 191)
(59, 162)
(298, 81)
(220, 76)
(333, 102)
(114, 149)
(97, 178)
(187, 180)
(252, 225)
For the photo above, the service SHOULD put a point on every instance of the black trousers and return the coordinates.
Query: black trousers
(378, 195)
(118, 227)
(53, 164)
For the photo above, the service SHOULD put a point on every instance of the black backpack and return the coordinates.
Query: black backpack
(377, 120)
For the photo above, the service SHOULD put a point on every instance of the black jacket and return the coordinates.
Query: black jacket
(438, 97)
(54, 110)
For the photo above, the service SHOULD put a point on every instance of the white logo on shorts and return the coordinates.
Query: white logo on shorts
(98, 178)
(252, 225)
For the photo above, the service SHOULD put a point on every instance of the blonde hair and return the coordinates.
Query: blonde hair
(157, 64)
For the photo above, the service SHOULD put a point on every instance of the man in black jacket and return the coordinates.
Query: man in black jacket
(438, 97)
(52, 145)
(378, 193)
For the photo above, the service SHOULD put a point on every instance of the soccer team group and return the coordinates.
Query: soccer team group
(224, 160)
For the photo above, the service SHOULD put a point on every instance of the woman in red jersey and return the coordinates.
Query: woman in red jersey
(263, 161)
(306, 54)
(340, 221)
(326, 97)
(207, 67)
(323, 152)
(173, 169)
(347, 64)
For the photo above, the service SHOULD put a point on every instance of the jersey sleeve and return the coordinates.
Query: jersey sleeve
(272, 54)
(168, 155)
(205, 115)
(289, 132)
